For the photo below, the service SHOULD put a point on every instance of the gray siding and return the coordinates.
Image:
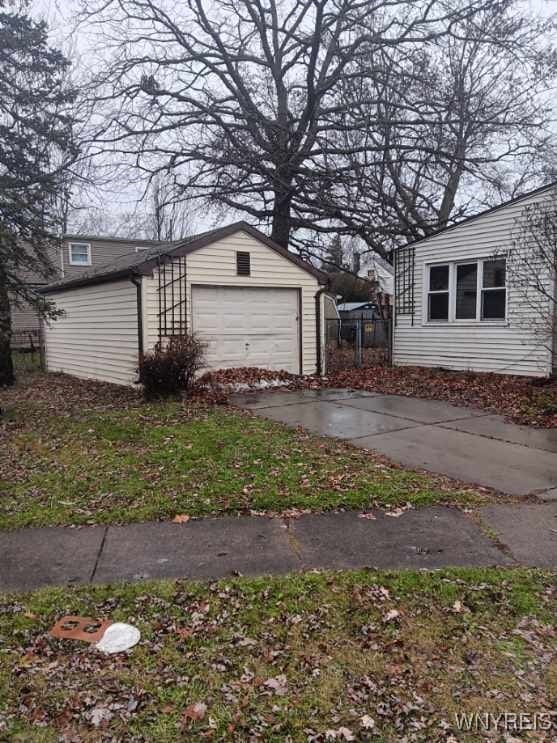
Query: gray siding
(103, 251)
(507, 346)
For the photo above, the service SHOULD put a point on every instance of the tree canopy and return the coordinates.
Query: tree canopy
(382, 119)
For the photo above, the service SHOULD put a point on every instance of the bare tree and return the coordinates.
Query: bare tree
(169, 213)
(459, 122)
(286, 112)
(532, 270)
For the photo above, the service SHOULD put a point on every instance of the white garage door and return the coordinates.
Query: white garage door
(248, 327)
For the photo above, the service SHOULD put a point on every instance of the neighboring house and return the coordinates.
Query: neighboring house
(358, 311)
(74, 256)
(378, 269)
(253, 302)
(373, 331)
(454, 307)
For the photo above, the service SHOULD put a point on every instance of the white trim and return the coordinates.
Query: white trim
(446, 291)
(79, 263)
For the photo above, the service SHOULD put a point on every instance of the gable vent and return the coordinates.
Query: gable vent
(243, 263)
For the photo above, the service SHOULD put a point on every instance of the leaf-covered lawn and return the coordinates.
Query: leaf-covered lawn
(157, 461)
(348, 656)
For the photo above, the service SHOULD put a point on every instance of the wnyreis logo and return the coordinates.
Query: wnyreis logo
(485, 722)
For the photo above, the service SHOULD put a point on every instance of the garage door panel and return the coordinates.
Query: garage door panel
(245, 326)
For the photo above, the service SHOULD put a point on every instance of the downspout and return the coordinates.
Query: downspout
(137, 281)
(318, 293)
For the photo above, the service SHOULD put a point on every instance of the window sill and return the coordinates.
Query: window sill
(464, 323)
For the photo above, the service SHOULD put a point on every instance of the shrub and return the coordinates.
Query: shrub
(172, 366)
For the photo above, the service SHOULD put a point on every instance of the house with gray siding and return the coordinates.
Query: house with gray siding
(456, 305)
(74, 256)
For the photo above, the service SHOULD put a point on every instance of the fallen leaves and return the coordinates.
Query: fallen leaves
(195, 712)
(391, 615)
(278, 685)
(367, 722)
(181, 518)
(338, 656)
(458, 607)
(99, 715)
(524, 400)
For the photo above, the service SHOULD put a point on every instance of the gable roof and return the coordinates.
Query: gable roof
(82, 237)
(143, 263)
(483, 213)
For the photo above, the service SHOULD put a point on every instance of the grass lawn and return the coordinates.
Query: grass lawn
(76, 452)
(345, 656)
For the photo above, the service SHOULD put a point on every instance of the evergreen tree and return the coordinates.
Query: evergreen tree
(334, 258)
(36, 147)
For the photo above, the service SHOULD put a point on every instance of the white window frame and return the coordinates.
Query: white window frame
(452, 293)
(446, 291)
(482, 289)
(79, 263)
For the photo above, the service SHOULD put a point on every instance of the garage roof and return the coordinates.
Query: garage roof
(142, 263)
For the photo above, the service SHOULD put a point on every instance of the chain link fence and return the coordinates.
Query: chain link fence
(27, 349)
(357, 343)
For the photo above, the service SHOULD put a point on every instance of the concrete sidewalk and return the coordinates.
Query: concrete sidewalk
(427, 538)
(465, 443)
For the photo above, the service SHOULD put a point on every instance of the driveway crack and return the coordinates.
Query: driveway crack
(99, 553)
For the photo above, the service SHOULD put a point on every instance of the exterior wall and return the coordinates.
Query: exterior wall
(97, 338)
(503, 346)
(330, 311)
(102, 252)
(25, 326)
(24, 318)
(215, 265)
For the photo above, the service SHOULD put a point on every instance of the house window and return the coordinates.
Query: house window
(243, 267)
(494, 291)
(438, 295)
(80, 254)
(467, 291)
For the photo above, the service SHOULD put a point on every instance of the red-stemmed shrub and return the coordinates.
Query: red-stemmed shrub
(171, 367)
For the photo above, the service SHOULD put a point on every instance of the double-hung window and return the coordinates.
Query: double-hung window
(79, 254)
(438, 294)
(466, 297)
(468, 290)
(494, 291)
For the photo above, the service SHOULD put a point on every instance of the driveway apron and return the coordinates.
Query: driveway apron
(467, 444)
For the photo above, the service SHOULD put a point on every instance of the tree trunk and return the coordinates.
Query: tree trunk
(450, 191)
(281, 217)
(7, 377)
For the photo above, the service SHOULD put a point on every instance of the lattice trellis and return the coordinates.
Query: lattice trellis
(404, 282)
(172, 312)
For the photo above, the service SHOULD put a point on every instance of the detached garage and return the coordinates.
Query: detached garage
(252, 302)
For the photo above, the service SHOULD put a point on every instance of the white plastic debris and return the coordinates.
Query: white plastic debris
(118, 637)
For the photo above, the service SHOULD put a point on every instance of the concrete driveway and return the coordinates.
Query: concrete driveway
(467, 444)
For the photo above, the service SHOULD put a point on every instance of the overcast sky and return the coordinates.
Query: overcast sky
(60, 15)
